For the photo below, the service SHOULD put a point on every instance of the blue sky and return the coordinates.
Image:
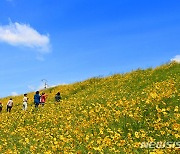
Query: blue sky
(64, 41)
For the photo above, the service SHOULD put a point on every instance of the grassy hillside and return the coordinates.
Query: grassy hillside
(114, 114)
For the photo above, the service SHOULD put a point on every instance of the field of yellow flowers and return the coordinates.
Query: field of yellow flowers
(115, 114)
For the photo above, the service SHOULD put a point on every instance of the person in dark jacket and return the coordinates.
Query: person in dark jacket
(58, 97)
(1, 106)
(37, 99)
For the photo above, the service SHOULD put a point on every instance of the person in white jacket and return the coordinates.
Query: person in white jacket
(25, 99)
(9, 105)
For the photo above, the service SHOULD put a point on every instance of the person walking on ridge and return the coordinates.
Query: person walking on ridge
(37, 99)
(9, 105)
(25, 99)
(58, 97)
(43, 99)
(1, 106)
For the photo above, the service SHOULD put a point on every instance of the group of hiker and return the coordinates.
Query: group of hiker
(38, 100)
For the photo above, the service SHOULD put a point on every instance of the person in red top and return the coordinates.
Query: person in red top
(43, 98)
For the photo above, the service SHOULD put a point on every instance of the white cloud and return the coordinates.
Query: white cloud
(14, 93)
(30, 87)
(176, 58)
(17, 34)
(41, 86)
(35, 88)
